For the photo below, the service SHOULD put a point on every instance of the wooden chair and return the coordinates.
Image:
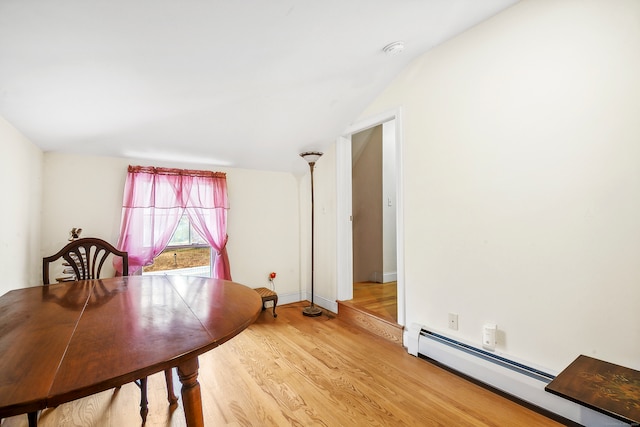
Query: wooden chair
(83, 260)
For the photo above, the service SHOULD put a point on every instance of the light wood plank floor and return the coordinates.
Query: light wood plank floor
(300, 371)
(379, 298)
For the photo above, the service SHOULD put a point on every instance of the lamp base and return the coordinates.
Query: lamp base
(311, 311)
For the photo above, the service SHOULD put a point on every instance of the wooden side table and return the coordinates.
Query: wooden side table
(610, 389)
(268, 295)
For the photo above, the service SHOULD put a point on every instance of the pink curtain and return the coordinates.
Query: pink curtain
(155, 199)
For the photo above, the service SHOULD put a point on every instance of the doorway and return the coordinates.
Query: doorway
(373, 184)
(348, 255)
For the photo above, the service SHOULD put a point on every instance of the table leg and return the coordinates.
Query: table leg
(191, 397)
(33, 419)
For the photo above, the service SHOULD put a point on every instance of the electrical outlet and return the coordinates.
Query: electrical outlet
(453, 321)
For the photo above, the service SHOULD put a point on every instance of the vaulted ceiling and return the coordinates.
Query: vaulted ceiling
(239, 83)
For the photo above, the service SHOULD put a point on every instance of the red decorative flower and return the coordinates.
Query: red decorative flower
(272, 275)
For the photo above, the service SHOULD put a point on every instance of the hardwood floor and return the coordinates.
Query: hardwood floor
(379, 298)
(300, 371)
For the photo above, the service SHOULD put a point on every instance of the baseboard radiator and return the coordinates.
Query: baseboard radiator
(511, 377)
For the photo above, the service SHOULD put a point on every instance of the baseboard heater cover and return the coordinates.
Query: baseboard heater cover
(508, 376)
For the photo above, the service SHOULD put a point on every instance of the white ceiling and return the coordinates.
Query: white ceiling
(240, 83)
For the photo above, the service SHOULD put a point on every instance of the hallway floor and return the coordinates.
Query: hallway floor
(380, 298)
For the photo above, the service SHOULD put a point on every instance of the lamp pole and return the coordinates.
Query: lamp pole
(311, 157)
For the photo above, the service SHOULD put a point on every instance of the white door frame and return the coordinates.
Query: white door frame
(344, 238)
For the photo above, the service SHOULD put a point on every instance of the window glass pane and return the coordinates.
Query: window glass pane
(181, 235)
(194, 260)
(187, 261)
(196, 239)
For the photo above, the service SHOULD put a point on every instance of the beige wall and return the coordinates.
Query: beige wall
(522, 181)
(262, 221)
(366, 184)
(21, 177)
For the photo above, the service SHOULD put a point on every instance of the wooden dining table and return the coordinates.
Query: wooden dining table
(66, 341)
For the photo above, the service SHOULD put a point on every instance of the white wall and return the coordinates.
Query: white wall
(522, 181)
(264, 230)
(389, 199)
(263, 219)
(84, 192)
(21, 177)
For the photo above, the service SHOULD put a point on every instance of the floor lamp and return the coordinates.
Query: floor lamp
(311, 157)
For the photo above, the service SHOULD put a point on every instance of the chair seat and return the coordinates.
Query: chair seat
(268, 295)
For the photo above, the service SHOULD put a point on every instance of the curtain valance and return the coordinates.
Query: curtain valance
(174, 171)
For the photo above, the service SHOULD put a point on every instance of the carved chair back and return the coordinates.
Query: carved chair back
(86, 258)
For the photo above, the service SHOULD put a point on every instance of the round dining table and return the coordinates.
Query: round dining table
(66, 341)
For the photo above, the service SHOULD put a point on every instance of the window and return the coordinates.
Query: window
(153, 203)
(186, 254)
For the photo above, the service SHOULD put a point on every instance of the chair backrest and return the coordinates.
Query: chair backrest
(85, 257)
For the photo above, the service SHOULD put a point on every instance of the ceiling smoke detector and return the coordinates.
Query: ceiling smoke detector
(393, 48)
